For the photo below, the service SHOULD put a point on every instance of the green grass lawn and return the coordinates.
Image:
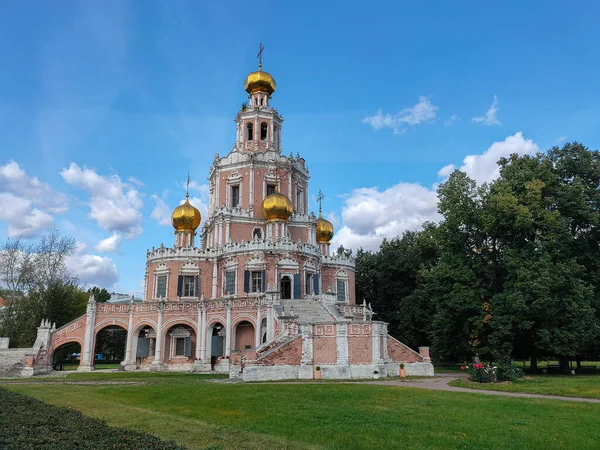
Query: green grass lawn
(586, 386)
(198, 412)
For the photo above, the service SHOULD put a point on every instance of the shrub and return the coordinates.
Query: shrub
(480, 373)
(28, 423)
(507, 372)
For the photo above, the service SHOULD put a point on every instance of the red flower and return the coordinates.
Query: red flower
(463, 368)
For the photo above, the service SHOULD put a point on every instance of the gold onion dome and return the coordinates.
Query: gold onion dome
(324, 230)
(185, 217)
(277, 208)
(260, 81)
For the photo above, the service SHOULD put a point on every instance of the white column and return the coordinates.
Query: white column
(341, 339)
(251, 190)
(88, 343)
(199, 329)
(217, 205)
(214, 281)
(228, 328)
(203, 334)
(128, 359)
(159, 335)
(307, 344)
(269, 322)
(257, 330)
(376, 343)
(220, 233)
(227, 235)
(290, 185)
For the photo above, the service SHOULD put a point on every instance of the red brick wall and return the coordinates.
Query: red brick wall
(288, 354)
(360, 349)
(401, 353)
(324, 350)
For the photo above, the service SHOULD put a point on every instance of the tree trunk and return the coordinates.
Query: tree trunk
(578, 363)
(533, 368)
(564, 365)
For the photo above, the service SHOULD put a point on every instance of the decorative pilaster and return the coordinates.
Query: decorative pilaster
(341, 340)
(376, 343)
(307, 344)
(258, 322)
(87, 363)
(129, 362)
(157, 364)
(228, 328)
(214, 281)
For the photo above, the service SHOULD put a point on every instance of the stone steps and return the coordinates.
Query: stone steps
(306, 311)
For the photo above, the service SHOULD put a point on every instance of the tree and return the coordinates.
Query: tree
(100, 295)
(38, 285)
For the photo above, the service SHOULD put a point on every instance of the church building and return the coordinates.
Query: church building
(256, 292)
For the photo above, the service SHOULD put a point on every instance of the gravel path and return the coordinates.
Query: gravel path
(440, 383)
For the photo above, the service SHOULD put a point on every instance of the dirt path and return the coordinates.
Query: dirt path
(440, 383)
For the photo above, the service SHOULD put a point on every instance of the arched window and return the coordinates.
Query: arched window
(250, 132)
(263, 131)
(257, 234)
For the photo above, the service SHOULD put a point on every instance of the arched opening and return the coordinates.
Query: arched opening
(144, 345)
(180, 342)
(263, 131)
(109, 349)
(67, 356)
(263, 331)
(249, 132)
(244, 336)
(257, 234)
(215, 349)
(285, 287)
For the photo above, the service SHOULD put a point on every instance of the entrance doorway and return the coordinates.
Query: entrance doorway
(286, 287)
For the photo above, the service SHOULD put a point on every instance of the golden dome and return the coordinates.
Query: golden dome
(260, 81)
(324, 230)
(277, 208)
(185, 217)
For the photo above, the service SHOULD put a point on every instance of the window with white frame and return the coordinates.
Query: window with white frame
(308, 283)
(161, 286)
(270, 189)
(230, 282)
(189, 286)
(256, 281)
(235, 196)
(341, 290)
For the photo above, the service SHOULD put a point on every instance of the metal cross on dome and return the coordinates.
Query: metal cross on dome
(320, 198)
(260, 52)
(187, 186)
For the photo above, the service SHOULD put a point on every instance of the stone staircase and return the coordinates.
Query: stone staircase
(305, 311)
(12, 361)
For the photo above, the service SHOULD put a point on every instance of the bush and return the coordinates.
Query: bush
(480, 373)
(28, 423)
(507, 372)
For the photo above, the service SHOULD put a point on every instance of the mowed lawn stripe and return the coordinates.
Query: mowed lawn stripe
(328, 415)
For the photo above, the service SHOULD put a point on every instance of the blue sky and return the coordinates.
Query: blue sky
(106, 106)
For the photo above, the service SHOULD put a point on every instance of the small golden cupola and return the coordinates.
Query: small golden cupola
(185, 217)
(324, 228)
(260, 81)
(276, 207)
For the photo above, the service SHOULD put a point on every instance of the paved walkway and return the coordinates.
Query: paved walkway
(440, 383)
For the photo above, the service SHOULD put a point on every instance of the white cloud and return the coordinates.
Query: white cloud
(115, 205)
(369, 214)
(423, 111)
(445, 171)
(453, 118)
(136, 182)
(110, 244)
(14, 179)
(161, 212)
(22, 219)
(94, 270)
(490, 117)
(561, 139)
(483, 168)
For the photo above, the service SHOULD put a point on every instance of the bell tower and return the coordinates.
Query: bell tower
(259, 125)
